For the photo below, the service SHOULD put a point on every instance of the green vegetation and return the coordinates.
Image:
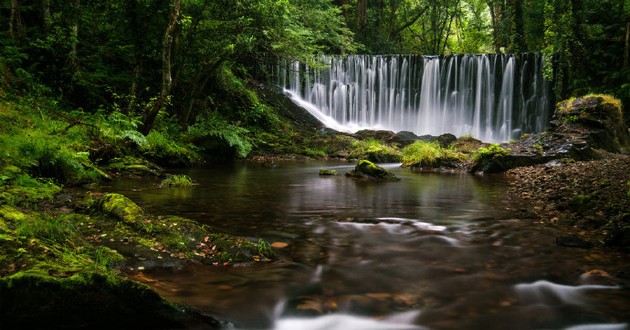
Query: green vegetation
(327, 172)
(177, 181)
(489, 152)
(430, 155)
(366, 170)
(374, 150)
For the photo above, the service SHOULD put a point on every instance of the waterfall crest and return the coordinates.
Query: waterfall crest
(494, 98)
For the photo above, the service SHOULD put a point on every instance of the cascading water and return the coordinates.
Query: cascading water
(494, 98)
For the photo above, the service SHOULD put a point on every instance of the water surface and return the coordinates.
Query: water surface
(437, 251)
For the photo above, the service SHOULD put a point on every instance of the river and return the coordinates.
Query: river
(431, 251)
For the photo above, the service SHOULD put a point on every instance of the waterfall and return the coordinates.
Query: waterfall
(494, 98)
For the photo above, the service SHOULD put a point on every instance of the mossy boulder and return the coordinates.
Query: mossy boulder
(597, 119)
(120, 207)
(367, 170)
(89, 300)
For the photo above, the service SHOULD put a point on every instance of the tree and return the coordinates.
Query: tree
(168, 43)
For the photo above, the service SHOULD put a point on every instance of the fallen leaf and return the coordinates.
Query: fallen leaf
(279, 245)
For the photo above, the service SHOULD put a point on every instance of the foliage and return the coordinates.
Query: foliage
(214, 125)
(428, 154)
(177, 180)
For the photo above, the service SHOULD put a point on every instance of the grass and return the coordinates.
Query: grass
(177, 181)
(374, 151)
(429, 154)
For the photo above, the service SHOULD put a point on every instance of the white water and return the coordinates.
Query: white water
(491, 97)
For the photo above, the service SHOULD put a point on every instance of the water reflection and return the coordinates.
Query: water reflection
(447, 248)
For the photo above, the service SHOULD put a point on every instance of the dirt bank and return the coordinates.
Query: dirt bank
(589, 198)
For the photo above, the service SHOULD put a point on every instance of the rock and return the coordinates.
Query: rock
(90, 300)
(327, 172)
(446, 140)
(598, 118)
(367, 170)
(404, 138)
(120, 207)
(380, 135)
(140, 170)
(573, 241)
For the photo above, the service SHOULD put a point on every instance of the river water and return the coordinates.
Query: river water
(431, 251)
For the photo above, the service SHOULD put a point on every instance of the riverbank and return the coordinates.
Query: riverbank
(589, 199)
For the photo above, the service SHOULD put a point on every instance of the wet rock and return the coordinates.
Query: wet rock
(404, 138)
(381, 135)
(327, 172)
(367, 170)
(573, 241)
(446, 140)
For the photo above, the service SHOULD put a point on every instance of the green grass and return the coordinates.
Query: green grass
(374, 150)
(428, 154)
(177, 181)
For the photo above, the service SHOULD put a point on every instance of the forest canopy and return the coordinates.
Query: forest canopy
(193, 58)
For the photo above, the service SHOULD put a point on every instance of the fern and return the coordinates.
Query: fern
(216, 126)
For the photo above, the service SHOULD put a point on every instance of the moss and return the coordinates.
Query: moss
(120, 207)
(490, 152)
(577, 107)
(85, 300)
(365, 169)
(327, 172)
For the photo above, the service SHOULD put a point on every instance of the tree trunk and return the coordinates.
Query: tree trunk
(13, 18)
(495, 27)
(46, 15)
(167, 80)
(361, 14)
(73, 61)
(626, 51)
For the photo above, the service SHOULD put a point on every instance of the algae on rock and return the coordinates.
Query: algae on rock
(367, 170)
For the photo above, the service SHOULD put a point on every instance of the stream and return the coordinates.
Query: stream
(431, 251)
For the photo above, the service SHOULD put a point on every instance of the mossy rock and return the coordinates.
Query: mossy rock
(367, 170)
(88, 300)
(598, 118)
(120, 207)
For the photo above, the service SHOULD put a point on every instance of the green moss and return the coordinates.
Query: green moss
(490, 152)
(324, 172)
(365, 169)
(86, 300)
(120, 207)
(429, 154)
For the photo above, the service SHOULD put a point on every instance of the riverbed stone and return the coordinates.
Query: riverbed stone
(367, 170)
(120, 207)
(90, 300)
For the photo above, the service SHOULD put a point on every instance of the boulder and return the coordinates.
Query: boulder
(367, 170)
(596, 119)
